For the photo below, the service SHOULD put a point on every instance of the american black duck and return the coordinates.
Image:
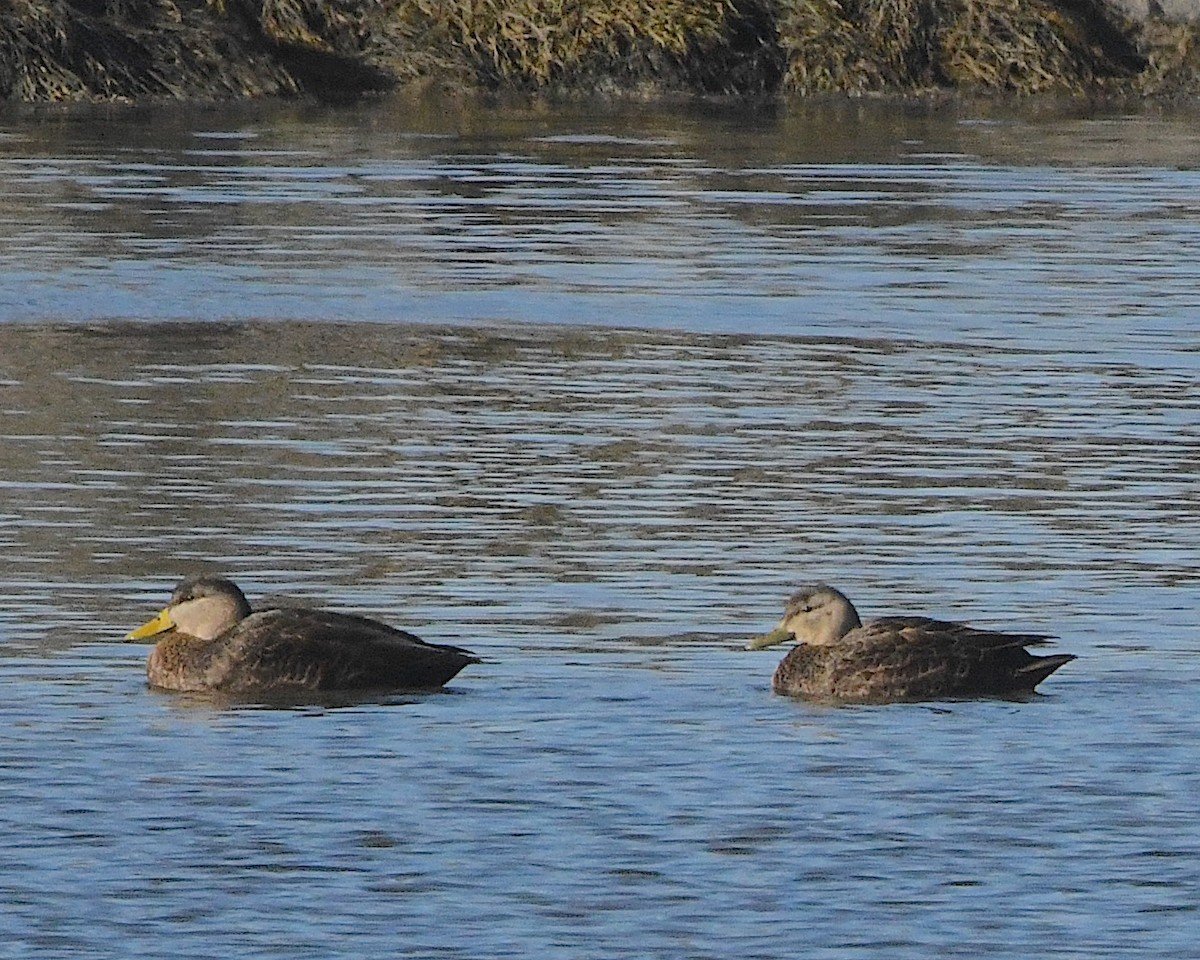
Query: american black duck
(209, 639)
(836, 657)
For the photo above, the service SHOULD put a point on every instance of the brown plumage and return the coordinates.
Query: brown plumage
(210, 640)
(898, 658)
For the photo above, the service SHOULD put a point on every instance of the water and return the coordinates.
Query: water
(590, 391)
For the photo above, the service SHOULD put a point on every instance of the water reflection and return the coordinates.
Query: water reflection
(719, 220)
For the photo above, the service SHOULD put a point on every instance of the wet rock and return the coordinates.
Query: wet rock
(1171, 11)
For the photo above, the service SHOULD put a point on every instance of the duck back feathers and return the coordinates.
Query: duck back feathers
(916, 658)
(303, 649)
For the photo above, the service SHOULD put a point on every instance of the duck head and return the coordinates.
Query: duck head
(203, 607)
(815, 615)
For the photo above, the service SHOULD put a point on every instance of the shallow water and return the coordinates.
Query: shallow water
(590, 391)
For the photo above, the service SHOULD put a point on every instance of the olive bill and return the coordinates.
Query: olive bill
(776, 636)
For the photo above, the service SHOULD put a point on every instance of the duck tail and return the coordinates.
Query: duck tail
(1041, 667)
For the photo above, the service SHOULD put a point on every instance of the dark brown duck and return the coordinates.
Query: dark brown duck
(836, 657)
(209, 639)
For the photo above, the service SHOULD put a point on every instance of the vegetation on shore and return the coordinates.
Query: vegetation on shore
(54, 50)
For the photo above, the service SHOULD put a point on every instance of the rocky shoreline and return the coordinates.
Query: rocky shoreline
(114, 50)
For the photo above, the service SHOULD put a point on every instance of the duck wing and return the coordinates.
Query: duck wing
(293, 647)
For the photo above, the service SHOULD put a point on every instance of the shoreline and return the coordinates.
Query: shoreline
(221, 50)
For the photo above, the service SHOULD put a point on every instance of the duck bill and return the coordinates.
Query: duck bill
(776, 636)
(160, 623)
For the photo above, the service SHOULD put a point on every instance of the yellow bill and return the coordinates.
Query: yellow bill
(778, 635)
(160, 623)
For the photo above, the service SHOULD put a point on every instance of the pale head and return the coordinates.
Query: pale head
(815, 615)
(203, 607)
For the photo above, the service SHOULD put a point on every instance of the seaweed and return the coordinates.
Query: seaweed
(1172, 52)
(1032, 46)
(215, 49)
(1020, 46)
(54, 50)
(539, 44)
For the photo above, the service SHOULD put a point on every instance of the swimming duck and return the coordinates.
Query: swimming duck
(897, 658)
(210, 640)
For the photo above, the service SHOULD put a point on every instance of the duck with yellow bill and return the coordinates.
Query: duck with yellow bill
(208, 638)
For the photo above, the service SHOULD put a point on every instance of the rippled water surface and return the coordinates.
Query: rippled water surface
(590, 391)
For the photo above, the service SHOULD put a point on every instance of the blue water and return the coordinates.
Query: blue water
(590, 391)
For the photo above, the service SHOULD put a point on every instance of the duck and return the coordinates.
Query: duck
(838, 658)
(207, 638)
